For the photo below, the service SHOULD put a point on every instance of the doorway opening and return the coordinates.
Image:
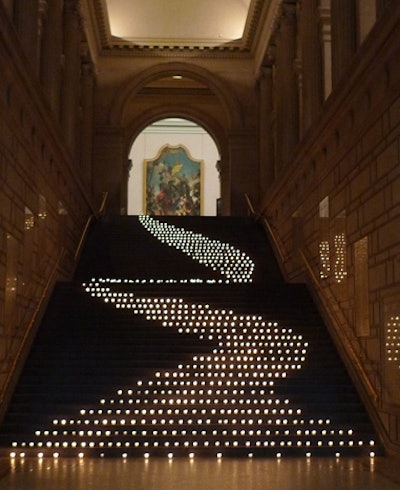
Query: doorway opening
(147, 150)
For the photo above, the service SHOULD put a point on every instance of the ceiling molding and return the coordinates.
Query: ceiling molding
(103, 23)
(265, 30)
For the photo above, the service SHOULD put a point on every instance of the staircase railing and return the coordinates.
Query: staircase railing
(15, 363)
(270, 232)
(338, 319)
(250, 205)
(342, 331)
(87, 226)
(329, 302)
(357, 361)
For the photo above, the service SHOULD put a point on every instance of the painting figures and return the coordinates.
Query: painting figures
(173, 183)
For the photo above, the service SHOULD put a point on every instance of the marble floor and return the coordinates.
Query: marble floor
(199, 474)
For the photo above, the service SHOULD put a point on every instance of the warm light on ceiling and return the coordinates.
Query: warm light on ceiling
(156, 22)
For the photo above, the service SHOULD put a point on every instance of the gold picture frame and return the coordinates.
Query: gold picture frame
(173, 183)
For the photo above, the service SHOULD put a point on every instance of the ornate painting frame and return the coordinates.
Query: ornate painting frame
(173, 183)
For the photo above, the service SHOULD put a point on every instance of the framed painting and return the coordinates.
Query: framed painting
(173, 183)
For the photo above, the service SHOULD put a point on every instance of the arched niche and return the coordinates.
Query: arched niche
(217, 134)
(174, 133)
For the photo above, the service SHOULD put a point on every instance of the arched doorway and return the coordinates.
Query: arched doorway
(174, 132)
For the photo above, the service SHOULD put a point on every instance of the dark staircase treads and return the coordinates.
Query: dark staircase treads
(86, 350)
(121, 247)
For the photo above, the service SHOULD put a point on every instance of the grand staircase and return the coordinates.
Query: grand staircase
(179, 337)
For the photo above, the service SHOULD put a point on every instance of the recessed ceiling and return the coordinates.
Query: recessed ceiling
(182, 22)
(204, 27)
(178, 22)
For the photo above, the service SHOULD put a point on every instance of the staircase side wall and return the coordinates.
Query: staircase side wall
(44, 202)
(336, 213)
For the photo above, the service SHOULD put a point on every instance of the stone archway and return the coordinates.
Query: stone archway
(228, 102)
(203, 98)
(210, 103)
(209, 124)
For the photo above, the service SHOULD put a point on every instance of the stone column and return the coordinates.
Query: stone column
(343, 37)
(124, 189)
(109, 163)
(266, 135)
(224, 169)
(223, 203)
(71, 74)
(326, 43)
(86, 140)
(311, 66)
(51, 55)
(244, 178)
(287, 117)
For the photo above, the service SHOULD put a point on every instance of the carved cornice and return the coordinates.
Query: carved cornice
(176, 52)
(264, 44)
(252, 24)
(100, 9)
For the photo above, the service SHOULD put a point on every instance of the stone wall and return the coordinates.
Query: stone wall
(44, 203)
(335, 210)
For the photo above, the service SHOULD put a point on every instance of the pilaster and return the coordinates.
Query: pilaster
(243, 159)
(71, 73)
(266, 123)
(287, 120)
(326, 45)
(311, 69)
(344, 37)
(109, 167)
(86, 135)
(51, 54)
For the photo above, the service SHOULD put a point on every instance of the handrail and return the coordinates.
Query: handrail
(103, 204)
(83, 237)
(28, 331)
(344, 340)
(336, 319)
(249, 204)
(87, 226)
(275, 241)
(278, 247)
